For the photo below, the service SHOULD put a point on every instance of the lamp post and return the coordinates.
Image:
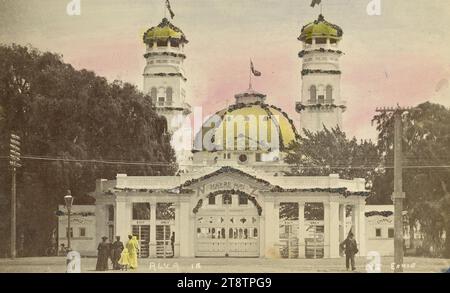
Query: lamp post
(68, 200)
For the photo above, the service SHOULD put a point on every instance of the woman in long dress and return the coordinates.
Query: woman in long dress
(124, 260)
(103, 254)
(133, 248)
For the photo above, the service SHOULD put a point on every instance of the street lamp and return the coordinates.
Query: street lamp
(69, 200)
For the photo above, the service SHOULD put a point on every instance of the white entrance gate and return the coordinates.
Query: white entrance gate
(224, 229)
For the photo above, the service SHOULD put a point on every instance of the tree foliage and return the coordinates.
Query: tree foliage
(73, 114)
(330, 151)
(426, 180)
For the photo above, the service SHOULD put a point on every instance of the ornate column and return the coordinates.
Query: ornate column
(186, 236)
(269, 230)
(152, 244)
(122, 224)
(361, 227)
(177, 229)
(326, 229)
(334, 229)
(301, 229)
(101, 228)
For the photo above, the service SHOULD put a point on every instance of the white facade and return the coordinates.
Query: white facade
(83, 227)
(231, 213)
(380, 229)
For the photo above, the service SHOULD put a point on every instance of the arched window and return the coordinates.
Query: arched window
(153, 93)
(313, 93)
(169, 93)
(329, 94)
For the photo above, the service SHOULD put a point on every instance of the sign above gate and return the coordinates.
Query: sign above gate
(226, 185)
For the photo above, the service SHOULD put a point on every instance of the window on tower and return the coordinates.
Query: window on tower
(169, 93)
(153, 93)
(161, 101)
(329, 94)
(321, 99)
(313, 94)
(321, 41)
(161, 43)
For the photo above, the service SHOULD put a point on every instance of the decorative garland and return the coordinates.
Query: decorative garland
(198, 206)
(230, 192)
(300, 107)
(83, 214)
(379, 213)
(176, 190)
(311, 71)
(226, 169)
(167, 74)
(341, 190)
(152, 54)
(302, 53)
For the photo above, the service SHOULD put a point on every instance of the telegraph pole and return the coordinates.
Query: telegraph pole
(398, 194)
(14, 159)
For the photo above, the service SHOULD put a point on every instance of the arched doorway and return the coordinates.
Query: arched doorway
(227, 225)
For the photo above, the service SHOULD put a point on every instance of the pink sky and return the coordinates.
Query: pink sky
(399, 56)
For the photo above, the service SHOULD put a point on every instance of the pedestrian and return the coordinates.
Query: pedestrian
(124, 260)
(133, 249)
(103, 254)
(350, 247)
(172, 243)
(116, 251)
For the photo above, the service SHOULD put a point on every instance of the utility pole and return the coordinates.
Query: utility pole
(14, 159)
(398, 194)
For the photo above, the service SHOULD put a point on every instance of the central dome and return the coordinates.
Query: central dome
(246, 126)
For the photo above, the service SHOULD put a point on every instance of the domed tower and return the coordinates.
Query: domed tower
(321, 103)
(164, 77)
(247, 134)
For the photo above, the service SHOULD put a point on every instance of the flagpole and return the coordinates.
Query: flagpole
(165, 10)
(250, 76)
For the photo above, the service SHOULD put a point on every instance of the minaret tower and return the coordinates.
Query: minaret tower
(321, 103)
(165, 80)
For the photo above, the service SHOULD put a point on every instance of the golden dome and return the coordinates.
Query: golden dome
(248, 121)
(320, 28)
(164, 31)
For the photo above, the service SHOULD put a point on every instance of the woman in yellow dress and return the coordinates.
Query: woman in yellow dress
(124, 260)
(133, 248)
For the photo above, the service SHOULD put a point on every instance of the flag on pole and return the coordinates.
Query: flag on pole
(315, 2)
(170, 9)
(255, 72)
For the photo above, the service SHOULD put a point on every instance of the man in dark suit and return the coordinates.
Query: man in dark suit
(350, 247)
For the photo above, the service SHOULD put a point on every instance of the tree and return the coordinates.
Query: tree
(330, 152)
(426, 179)
(68, 114)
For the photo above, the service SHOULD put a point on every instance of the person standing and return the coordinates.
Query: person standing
(133, 249)
(350, 247)
(117, 248)
(103, 254)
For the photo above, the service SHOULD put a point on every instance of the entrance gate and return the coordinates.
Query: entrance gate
(227, 227)
(142, 232)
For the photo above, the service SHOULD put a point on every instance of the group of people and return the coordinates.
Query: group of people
(122, 257)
